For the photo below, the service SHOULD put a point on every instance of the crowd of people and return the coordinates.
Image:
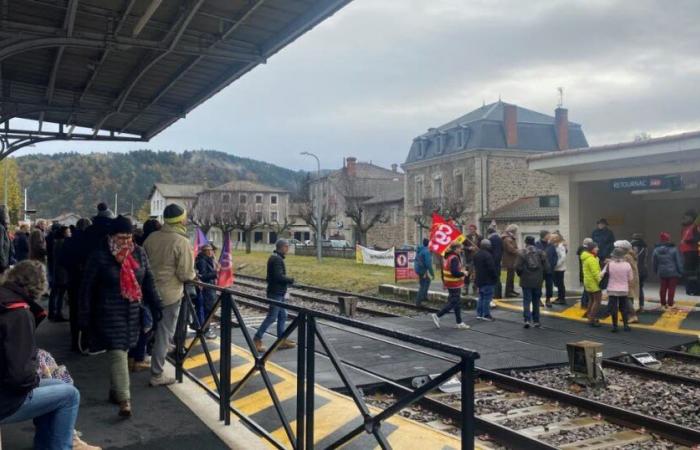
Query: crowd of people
(619, 268)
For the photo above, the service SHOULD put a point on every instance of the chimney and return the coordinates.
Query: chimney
(510, 124)
(351, 165)
(394, 167)
(561, 127)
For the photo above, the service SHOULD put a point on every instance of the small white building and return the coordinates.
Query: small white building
(164, 194)
(66, 219)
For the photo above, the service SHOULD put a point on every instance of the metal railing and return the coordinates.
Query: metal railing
(308, 323)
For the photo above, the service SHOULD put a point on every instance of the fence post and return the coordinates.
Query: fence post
(225, 359)
(467, 366)
(180, 336)
(310, 379)
(301, 375)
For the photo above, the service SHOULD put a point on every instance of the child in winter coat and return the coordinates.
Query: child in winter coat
(591, 280)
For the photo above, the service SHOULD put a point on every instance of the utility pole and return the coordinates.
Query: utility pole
(116, 206)
(26, 217)
(4, 163)
(319, 227)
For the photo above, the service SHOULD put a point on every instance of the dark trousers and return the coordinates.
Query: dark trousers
(423, 286)
(594, 299)
(549, 286)
(615, 304)
(668, 287)
(559, 283)
(584, 299)
(56, 301)
(510, 281)
(454, 301)
(498, 290)
(73, 316)
(691, 261)
(531, 304)
(139, 352)
(204, 304)
(641, 291)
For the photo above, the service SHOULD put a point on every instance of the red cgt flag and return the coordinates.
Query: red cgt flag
(225, 278)
(442, 234)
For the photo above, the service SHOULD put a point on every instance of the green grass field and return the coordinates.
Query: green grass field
(336, 273)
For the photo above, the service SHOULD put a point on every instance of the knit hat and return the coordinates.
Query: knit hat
(173, 214)
(665, 236)
(623, 244)
(590, 244)
(121, 224)
(104, 211)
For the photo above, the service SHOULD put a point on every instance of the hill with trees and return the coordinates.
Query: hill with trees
(72, 182)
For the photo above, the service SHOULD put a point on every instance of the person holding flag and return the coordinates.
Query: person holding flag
(206, 267)
(453, 274)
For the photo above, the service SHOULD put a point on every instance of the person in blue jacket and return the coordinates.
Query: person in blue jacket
(423, 266)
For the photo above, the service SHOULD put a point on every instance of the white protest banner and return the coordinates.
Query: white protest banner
(366, 255)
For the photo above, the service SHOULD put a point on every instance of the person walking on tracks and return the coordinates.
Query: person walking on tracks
(485, 279)
(621, 275)
(117, 283)
(172, 260)
(531, 266)
(591, 280)
(277, 284)
(453, 274)
(423, 266)
(510, 255)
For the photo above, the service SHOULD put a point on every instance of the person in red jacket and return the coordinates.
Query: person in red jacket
(690, 237)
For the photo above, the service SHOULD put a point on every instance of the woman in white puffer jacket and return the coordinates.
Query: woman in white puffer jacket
(559, 270)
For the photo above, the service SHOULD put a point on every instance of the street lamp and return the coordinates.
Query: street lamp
(319, 227)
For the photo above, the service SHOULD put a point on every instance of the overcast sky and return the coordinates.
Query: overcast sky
(379, 72)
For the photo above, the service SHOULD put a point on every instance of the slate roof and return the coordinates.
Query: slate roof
(483, 129)
(177, 190)
(246, 186)
(525, 208)
(391, 193)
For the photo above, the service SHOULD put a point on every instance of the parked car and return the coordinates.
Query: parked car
(340, 244)
(407, 247)
(295, 242)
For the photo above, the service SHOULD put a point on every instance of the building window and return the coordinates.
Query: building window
(459, 185)
(272, 237)
(274, 216)
(258, 237)
(243, 217)
(419, 191)
(259, 216)
(258, 199)
(441, 142)
(463, 136)
(437, 188)
(549, 201)
(273, 199)
(242, 199)
(421, 147)
(226, 198)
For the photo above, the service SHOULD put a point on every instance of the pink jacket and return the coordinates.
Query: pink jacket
(620, 276)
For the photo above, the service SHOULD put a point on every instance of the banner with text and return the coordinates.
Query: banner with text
(403, 265)
(364, 255)
(442, 234)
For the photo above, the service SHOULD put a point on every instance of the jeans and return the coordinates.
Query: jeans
(424, 285)
(584, 299)
(139, 352)
(483, 306)
(165, 330)
(668, 286)
(531, 304)
(275, 313)
(559, 283)
(54, 407)
(549, 285)
(616, 303)
(454, 301)
(205, 301)
(56, 300)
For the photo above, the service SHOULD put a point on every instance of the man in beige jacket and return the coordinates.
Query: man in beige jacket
(172, 262)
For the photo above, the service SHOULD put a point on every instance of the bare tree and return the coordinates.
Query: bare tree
(210, 211)
(356, 191)
(307, 211)
(280, 227)
(247, 220)
(447, 205)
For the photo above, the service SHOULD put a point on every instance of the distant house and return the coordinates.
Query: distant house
(531, 214)
(164, 194)
(66, 219)
(298, 229)
(388, 232)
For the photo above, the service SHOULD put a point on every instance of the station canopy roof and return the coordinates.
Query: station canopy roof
(128, 69)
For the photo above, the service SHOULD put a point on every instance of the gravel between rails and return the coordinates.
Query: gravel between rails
(677, 403)
(680, 367)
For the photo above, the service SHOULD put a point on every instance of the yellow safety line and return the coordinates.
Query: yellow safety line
(193, 362)
(669, 321)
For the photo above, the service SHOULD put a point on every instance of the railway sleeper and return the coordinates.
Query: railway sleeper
(614, 440)
(522, 412)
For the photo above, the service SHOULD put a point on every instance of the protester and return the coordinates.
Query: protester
(591, 280)
(6, 248)
(620, 275)
(277, 284)
(149, 227)
(485, 279)
(117, 283)
(667, 265)
(688, 247)
(423, 266)
(531, 266)
(21, 243)
(171, 257)
(60, 276)
(37, 242)
(584, 294)
(205, 264)
(497, 252)
(471, 246)
(604, 238)
(71, 257)
(550, 252)
(633, 293)
(561, 250)
(543, 243)
(50, 237)
(453, 275)
(52, 404)
(641, 250)
(510, 255)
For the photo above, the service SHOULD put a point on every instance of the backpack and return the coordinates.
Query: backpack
(533, 262)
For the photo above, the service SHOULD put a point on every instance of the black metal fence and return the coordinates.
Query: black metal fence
(309, 327)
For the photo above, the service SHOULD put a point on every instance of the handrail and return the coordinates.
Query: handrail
(306, 323)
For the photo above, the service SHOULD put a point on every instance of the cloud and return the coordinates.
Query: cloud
(380, 72)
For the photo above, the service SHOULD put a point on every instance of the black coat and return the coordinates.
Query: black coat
(277, 279)
(605, 239)
(496, 248)
(21, 244)
(206, 271)
(485, 266)
(114, 322)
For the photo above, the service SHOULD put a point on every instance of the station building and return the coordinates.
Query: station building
(639, 187)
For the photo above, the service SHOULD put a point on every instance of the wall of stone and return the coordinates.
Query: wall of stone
(510, 179)
(389, 234)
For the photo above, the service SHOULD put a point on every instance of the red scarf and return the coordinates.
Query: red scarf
(130, 288)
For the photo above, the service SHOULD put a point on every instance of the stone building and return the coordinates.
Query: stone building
(344, 193)
(163, 194)
(478, 162)
(389, 232)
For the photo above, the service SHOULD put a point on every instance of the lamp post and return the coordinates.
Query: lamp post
(319, 227)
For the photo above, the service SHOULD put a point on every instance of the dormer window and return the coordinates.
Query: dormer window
(462, 136)
(441, 142)
(422, 146)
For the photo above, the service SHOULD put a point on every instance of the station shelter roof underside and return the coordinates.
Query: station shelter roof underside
(128, 69)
